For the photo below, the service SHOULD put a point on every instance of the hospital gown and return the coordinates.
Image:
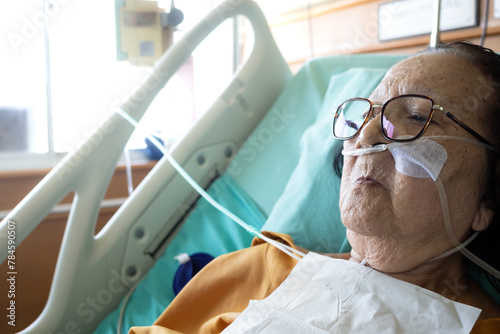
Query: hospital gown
(222, 290)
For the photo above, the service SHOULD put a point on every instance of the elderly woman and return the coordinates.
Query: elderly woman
(396, 221)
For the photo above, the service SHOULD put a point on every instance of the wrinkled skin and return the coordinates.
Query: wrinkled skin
(394, 221)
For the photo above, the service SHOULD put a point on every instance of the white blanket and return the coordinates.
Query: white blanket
(325, 295)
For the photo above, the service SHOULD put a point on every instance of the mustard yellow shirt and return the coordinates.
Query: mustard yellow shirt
(213, 299)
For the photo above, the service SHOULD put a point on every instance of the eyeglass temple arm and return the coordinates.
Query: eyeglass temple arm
(462, 124)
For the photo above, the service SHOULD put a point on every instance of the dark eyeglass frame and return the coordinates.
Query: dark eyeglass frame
(383, 106)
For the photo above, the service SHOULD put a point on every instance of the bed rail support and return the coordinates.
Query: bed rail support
(101, 269)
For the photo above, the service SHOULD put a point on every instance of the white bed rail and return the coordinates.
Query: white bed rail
(93, 273)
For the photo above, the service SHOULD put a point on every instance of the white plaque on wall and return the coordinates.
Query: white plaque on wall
(408, 18)
(496, 10)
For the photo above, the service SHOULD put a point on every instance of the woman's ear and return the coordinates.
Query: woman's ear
(484, 216)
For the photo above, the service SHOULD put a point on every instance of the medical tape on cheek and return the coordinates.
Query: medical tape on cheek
(422, 158)
(250, 229)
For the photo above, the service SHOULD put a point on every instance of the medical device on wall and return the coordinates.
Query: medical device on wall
(144, 30)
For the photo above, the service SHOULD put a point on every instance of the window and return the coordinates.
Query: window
(61, 78)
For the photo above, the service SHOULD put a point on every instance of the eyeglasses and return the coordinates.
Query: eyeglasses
(403, 118)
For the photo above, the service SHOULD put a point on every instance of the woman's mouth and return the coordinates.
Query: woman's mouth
(366, 180)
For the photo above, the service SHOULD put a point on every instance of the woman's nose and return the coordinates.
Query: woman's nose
(371, 134)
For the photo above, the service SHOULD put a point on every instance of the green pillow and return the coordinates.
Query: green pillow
(308, 209)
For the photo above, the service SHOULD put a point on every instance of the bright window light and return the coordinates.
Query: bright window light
(87, 82)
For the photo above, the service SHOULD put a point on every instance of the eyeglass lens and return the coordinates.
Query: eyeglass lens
(351, 115)
(403, 117)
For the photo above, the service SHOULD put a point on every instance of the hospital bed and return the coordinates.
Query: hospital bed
(263, 150)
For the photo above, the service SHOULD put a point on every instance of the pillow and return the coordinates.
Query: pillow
(308, 209)
(271, 153)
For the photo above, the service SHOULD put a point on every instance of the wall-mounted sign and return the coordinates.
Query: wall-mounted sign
(408, 18)
(496, 9)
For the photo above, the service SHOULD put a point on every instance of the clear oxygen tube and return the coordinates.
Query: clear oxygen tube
(425, 158)
(296, 254)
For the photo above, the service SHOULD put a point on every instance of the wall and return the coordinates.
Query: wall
(350, 27)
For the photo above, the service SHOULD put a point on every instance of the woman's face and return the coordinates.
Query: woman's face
(395, 221)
